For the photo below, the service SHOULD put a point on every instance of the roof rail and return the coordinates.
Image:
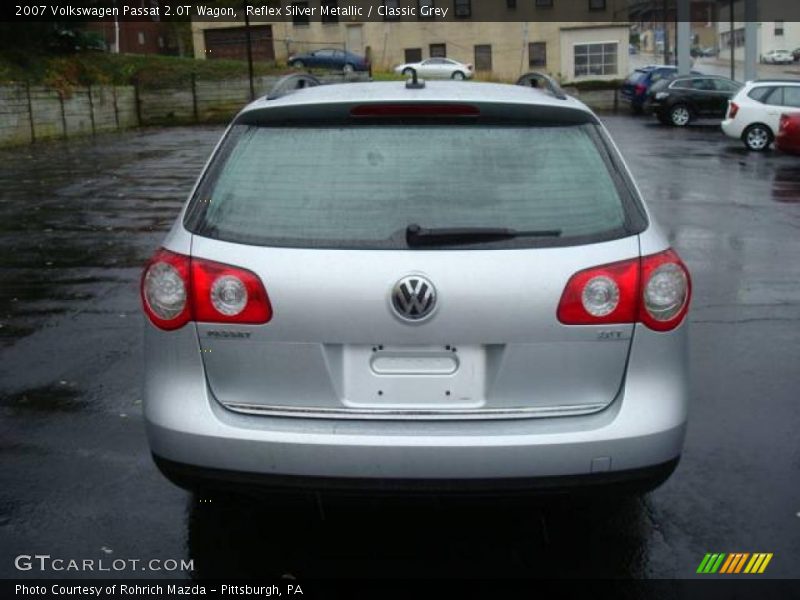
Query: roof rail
(541, 81)
(775, 80)
(291, 83)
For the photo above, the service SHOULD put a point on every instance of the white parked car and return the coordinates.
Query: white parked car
(437, 68)
(778, 57)
(754, 113)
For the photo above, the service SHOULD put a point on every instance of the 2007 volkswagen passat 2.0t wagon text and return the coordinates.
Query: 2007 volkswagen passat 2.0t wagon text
(439, 286)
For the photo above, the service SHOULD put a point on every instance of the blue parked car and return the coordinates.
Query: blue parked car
(634, 88)
(330, 58)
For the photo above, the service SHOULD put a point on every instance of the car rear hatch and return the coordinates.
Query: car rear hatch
(628, 90)
(320, 212)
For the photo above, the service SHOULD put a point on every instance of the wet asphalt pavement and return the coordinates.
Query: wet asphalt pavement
(78, 219)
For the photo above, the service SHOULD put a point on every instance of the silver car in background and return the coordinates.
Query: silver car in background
(436, 68)
(328, 311)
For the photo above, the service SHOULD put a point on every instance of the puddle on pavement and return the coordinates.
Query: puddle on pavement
(56, 398)
(87, 204)
(786, 184)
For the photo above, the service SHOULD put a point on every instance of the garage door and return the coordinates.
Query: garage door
(231, 43)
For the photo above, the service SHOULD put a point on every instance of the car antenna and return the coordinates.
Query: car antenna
(414, 83)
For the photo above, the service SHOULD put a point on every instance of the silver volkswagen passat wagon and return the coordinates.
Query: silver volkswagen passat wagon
(442, 286)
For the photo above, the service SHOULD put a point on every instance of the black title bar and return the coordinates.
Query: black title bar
(326, 11)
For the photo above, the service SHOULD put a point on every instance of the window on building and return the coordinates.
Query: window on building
(300, 20)
(596, 59)
(413, 55)
(537, 54)
(483, 57)
(392, 6)
(738, 38)
(141, 38)
(463, 8)
(326, 6)
(438, 50)
(778, 28)
(544, 3)
(511, 4)
(597, 4)
(424, 4)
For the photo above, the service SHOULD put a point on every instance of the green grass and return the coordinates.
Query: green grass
(96, 68)
(102, 68)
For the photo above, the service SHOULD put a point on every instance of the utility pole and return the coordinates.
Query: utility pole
(732, 39)
(664, 21)
(249, 51)
(116, 31)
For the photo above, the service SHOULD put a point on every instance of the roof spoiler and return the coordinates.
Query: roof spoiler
(291, 83)
(544, 82)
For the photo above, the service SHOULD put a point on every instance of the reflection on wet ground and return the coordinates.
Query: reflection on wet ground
(786, 184)
(78, 219)
(426, 537)
(47, 399)
(74, 217)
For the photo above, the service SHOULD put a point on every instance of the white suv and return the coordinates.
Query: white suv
(754, 113)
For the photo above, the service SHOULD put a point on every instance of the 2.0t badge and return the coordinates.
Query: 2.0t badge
(414, 298)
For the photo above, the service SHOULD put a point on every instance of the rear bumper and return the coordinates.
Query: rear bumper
(787, 144)
(733, 128)
(632, 99)
(642, 428)
(208, 480)
(655, 107)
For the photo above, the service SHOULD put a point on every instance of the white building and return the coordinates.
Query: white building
(771, 35)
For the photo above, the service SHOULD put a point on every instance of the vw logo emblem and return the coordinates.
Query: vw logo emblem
(413, 298)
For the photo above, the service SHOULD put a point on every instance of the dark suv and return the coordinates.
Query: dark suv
(634, 88)
(679, 100)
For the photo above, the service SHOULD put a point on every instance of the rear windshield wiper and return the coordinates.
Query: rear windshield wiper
(438, 236)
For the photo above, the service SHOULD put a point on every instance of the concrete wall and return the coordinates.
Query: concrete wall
(29, 113)
(53, 116)
(35, 113)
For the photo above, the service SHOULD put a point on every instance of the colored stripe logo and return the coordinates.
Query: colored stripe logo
(734, 563)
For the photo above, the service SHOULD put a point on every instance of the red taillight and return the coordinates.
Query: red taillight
(225, 294)
(165, 290)
(583, 301)
(666, 291)
(790, 124)
(640, 89)
(732, 110)
(177, 289)
(654, 290)
(415, 110)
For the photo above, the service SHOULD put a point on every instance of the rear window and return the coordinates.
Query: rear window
(360, 186)
(759, 94)
(637, 76)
